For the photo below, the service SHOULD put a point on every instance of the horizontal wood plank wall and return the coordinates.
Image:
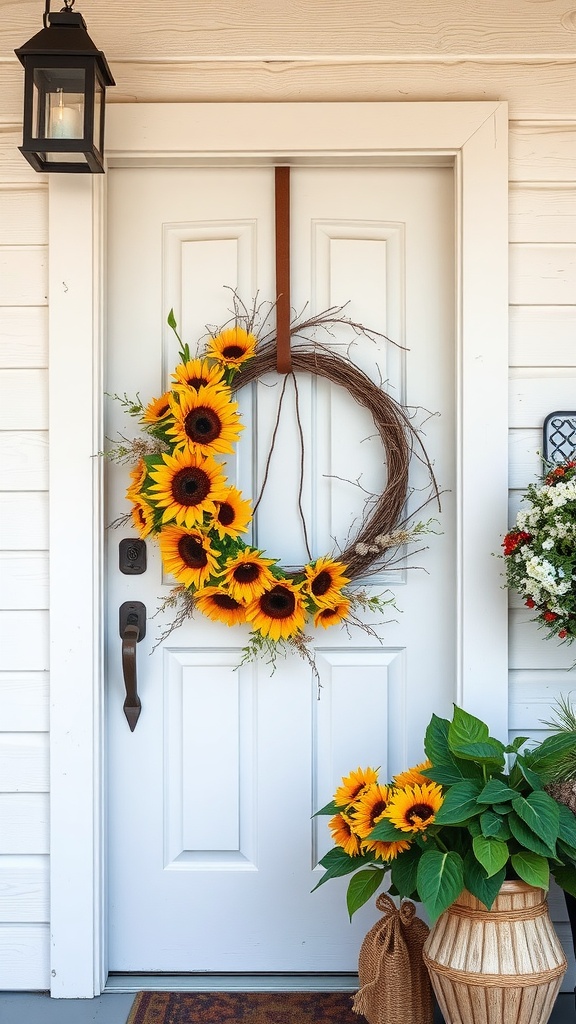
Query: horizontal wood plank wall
(271, 51)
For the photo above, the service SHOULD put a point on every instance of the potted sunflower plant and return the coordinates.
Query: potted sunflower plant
(472, 834)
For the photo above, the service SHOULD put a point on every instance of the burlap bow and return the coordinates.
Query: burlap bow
(395, 986)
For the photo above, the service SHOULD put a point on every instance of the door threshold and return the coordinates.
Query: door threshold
(232, 983)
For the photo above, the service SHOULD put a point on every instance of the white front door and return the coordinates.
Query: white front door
(212, 849)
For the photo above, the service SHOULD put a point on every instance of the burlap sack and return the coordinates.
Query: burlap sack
(395, 986)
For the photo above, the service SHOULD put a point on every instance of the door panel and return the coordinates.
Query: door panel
(212, 847)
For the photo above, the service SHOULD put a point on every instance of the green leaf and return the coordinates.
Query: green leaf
(566, 852)
(527, 838)
(460, 803)
(495, 792)
(171, 320)
(477, 882)
(404, 870)
(493, 824)
(490, 752)
(541, 813)
(514, 747)
(566, 878)
(330, 808)
(361, 887)
(531, 868)
(448, 774)
(567, 825)
(531, 777)
(337, 863)
(386, 832)
(465, 729)
(440, 880)
(436, 741)
(546, 756)
(491, 853)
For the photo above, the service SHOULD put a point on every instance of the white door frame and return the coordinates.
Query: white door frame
(471, 136)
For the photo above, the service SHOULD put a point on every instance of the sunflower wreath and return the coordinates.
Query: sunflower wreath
(181, 496)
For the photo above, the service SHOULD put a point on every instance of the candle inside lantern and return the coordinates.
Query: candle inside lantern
(65, 122)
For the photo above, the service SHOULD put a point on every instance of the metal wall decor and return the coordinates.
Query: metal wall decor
(65, 80)
(559, 436)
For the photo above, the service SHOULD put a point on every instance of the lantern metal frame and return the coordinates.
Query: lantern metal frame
(62, 59)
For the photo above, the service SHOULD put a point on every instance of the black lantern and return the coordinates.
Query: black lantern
(65, 79)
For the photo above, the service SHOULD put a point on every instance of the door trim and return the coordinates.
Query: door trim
(471, 136)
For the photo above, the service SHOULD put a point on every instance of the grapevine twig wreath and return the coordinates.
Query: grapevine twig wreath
(181, 496)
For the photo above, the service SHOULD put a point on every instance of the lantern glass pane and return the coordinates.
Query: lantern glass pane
(59, 103)
(98, 113)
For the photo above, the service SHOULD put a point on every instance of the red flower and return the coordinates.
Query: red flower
(562, 633)
(530, 603)
(549, 616)
(556, 474)
(513, 540)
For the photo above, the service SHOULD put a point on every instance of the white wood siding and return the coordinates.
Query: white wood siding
(272, 50)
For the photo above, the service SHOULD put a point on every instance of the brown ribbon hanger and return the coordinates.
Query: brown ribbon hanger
(282, 204)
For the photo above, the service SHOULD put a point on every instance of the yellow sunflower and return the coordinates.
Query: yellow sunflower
(413, 808)
(232, 347)
(385, 851)
(324, 581)
(205, 420)
(354, 785)
(158, 409)
(279, 611)
(142, 517)
(247, 575)
(217, 604)
(138, 476)
(333, 615)
(413, 777)
(186, 486)
(199, 373)
(233, 514)
(343, 834)
(188, 555)
(369, 808)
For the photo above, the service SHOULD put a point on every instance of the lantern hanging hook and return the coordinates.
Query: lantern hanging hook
(68, 5)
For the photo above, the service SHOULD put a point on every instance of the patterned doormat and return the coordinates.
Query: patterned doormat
(244, 1008)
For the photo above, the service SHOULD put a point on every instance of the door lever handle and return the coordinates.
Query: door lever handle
(132, 630)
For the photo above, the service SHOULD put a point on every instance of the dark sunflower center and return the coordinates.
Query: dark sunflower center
(233, 351)
(192, 553)
(196, 382)
(226, 514)
(321, 583)
(190, 486)
(203, 425)
(246, 573)
(226, 602)
(376, 811)
(421, 812)
(278, 603)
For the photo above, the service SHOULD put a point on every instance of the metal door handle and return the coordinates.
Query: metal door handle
(132, 630)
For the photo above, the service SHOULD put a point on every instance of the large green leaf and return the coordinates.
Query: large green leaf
(527, 838)
(488, 752)
(541, 813)
(456, 771)
(566, 852)
(566, 878)
(496, 792)
(465, 728)
(460, 803)
(567, 825)
(330, 808)
(544, 758)
(404, 870)
(492, 853)
(337, 863)
(361, 887)
(436, 741)
(531, 868)
(477, 882)
(493, 824)
(529, 774)
(386, 832)
(440, 880)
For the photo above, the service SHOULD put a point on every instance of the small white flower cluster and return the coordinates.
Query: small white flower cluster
(547, 575)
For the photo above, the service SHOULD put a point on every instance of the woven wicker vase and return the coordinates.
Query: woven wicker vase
(502, 966)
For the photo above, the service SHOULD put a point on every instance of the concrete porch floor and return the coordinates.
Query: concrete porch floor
(113, 1008)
